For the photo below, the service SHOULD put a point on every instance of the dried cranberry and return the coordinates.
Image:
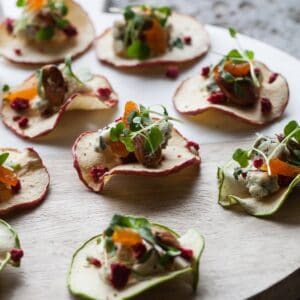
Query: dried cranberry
(258, 162)
(9, 23)
(119, 275)
(70, 30)
(266, 105)
(16, 118)
(192, 145)
(244, 174)
(187, 40)
(15, 189)
(104, 92)
(217, 98)
(94, 261)
(273, 77)
(186, 253)
(205, 71)
(97, 172)
(284, 180)
(139, 250)
(16, 255)
(23, 122)
(172, 72)
(19, 104)
(18, 51)
(257, 71)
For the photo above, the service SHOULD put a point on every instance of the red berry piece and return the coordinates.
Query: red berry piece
(16, 189)
(139, 250)
(187, 40)
(266, 105)
(104, 92)
(119, 275)
(186, 253)
(19, 104)
(70, 30)
(257, 71)
(16, 118)
(97, 173)
(205, 71)
(172, 72)
(191, 145)
(94, 261)
(16, 255)
(273, 77)
(217, 98)
(18, 51)
(258, 162)
(9, 24)
(23, 122)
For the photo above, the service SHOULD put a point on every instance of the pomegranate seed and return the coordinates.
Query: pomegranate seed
(273, 77)
(104, 92)
(16, 118)
(19, 104)
(258, 162)
(244, 174)
(94, 261)
(217, 98)
(97, 173)
(119, 275)
(70, 30)
(18, 51)
(257, 71)
(172, 72)
(16, 189)
(9, 23)
(16, 255)
(186, 253)
(266, 105)
(23, 122)
(192, 145)
(139, 250)
(205, 71)
(187, 40)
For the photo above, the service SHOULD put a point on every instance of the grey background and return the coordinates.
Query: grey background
(276, 22)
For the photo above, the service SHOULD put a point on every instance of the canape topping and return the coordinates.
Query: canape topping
(131, 249)
(43, 20)
(260, 167)
(139, 134)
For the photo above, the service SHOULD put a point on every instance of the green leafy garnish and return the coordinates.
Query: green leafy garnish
(138, 50)
(242, 157)
(68, 71)
(292, 129)
(154, 140)
(232, 32)
(21, 3)
(177, 43)
(5, 88)
(45, 33)
(3, 157)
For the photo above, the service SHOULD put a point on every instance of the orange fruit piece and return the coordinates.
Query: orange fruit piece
(130, 106)
(279, 167)
(119, 149)
(237, 69)
(156, 37)
(28, 91)
(8, 177)
(35, 4)
(126, 237)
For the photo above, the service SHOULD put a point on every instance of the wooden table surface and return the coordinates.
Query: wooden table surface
(243, 254)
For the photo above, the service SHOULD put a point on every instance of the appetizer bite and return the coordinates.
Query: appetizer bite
(10, 247)
(131, 256)
(260, 179)
(24, 180)
(46, 32)
(150, 36)
(35, 107)
(135, 144)
(239, 86)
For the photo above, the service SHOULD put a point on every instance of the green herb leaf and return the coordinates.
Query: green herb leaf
(138, 50)
(21, 3)
(232, 32)
(234, 53)
(249, 54)
(61, 23)
(127, 141)
(227, 76)
(177, 43)
(109, 245)
(128, 13)
(3, 157)
(68, 71)
(154, 140)
(116, 131)
(5, 88)
(290, 127)
(45, 33)
(16, 167)
(242, 157)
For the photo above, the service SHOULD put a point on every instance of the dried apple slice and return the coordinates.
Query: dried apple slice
(18, 50)
(33, 178)
(178, 155)
(101, 96)
(10, 247)
(191, 98)
(181, 25)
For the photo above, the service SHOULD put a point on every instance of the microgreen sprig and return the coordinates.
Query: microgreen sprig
(68, 71)
(3, 157)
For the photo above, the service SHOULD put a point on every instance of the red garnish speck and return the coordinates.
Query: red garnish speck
(97, 172)
(104, 92)
(9, 23)
(258, 162)
(70, 30)
(186, 253)
(273, 77)
(23, 122)
(205, 71)
(94, 261)
(18, 51)
(217, 98)
(266, 105)
(119, 275)
(16, 255)
(139, 250)
(187, 40)
(192, 145)
(15, 189)
(172, 72)
(19, 104)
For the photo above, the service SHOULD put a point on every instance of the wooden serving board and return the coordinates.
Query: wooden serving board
(243, 254)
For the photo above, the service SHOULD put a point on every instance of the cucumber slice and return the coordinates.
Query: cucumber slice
(8, 240)
(85, 282)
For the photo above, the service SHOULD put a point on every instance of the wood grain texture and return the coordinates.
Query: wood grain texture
(243, 254)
